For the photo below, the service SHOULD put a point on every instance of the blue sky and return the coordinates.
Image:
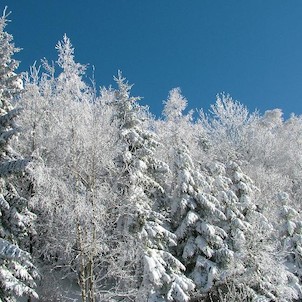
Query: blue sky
(250, 49)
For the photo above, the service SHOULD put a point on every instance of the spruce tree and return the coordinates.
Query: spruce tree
(197, 215)
(250, 237)
(17, 273)
(159, 273)
(290, 235)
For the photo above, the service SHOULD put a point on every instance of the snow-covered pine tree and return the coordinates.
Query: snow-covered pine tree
(191, 196)
(197, 215)
(17, 273)
(176, 125)
(290, 234)
(159, 275)
(250, 238)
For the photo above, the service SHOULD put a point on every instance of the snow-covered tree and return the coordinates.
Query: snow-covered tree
(229, 126)
(176, 125)
(197, 214)
(159, 275)
(72, 192)
(290, 228)
(251, 239)
(17, 273)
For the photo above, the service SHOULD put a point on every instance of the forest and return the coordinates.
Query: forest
(102, 201)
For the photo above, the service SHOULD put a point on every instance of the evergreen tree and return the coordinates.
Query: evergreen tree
(251, 240)
(197, 214)
(160, 276)
(290, 234)
(175, 127)
(17, 273)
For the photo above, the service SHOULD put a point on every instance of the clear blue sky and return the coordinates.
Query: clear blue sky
(251, 49)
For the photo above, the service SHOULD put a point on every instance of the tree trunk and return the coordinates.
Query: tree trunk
(82, 274)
